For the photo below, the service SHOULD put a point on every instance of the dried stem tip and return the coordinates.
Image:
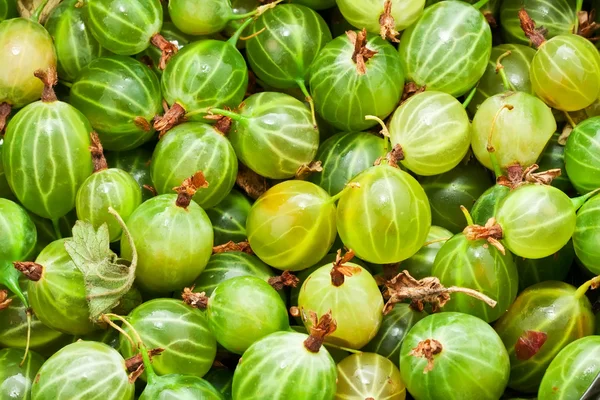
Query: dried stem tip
(4, 300)
(492, 232)
(361, 53)
(388, 24)
(536, 35)
(5, 110)
(167, 48)
(50, 78)
(135, 364)
(393, 157)
(427, 290)
(427, 349)
(306, 170)
(411, 89)
(188, 189)
(340, 271)
(172, 117)
(252, 183)
(231, 246)
(31, 270)
(319, 330)
(518, 177)
(97, 153)
(286, 279)
(196, 300)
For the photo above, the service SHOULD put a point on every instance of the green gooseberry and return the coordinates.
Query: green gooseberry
(180, 387)
(394, 327)
(292, 225)
(83, 370)
(228, 218)
(433, 130)
(557, 17)
(192, 147)
(586, 236)
(343, 156)
(75, 45)
(433, 359)
(285, 365)
(189, 347)
(25, 47)
(317, 4)
(273, 134)
(516, 66)
(488, 203)
(5, 192)
(543, 320)
(137, 163)
(461, 186)
(565, 72)
(580, 155)
(452, 57)
(553, 157)
(48, 232)
(419, 266)
(242, 310)
(385, 217)
(8, 9)
(572, 371)
(368, 14)
(17, 373)
(329, 290)
(173, 237)
(203, 18)
(56, 291)
(124, 27)
(517, 125)
(383, 380)
(552, 268)
(46, 155)
(120, 97)
(345, 88)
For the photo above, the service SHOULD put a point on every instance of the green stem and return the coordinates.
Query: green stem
(255, 13)
(35, 17)
(236, 36)
(480, 4)
(230, 114)
(467, 215)
(309, 98)
(336, 197)
(490, 147)
(469, 97)
(384, 131)
(582, 290)
(28, 337)
(56, 226)
(580, 201)
(570, 120)
(579, 7)
(500, 70)
(342, 348)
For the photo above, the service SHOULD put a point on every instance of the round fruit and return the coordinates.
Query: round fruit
(317, 4)
(192, 147)
(553, 157)
(292, 225)
(581, 162)
(17, 374)
(432, 360)
(201, 18)
(81, 370)
(386, 218)
(552, 268)
(346, 87)
(452, 57)
(368, 14)
(120, 97)
(8, 9)
(365, 375)
(228, 218)
(586, 238)
(182, 332)
(180, 387)
(137, 163)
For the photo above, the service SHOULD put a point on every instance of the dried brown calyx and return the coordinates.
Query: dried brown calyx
(318, 330)
(5, 110)
(188, 189)
(231, 246)
(517, 176)
(536, 35)
(221, 123)
(4, 300)
(427, 290)
(196, 300)
(490, 19)
(393, 157)
(135, 364)
(587, 25)
(529, 344)
(97, 153)
(411, 89)
(142, 123)
(427, 349)
(306, 170)
(173, 116)
(252, 183)
(340, 270)
(286, 279)
(388, 24)
(49, 78)
(31, 270)
(167, 48)
(361, 54)
(492, 232)
(389, 271)
(151, 189)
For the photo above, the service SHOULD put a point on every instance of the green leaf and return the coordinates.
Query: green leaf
(107, 277)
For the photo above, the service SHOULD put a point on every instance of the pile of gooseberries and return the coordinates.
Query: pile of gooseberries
(299, 199)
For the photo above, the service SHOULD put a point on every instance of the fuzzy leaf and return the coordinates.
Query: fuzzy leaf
(107, 277)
